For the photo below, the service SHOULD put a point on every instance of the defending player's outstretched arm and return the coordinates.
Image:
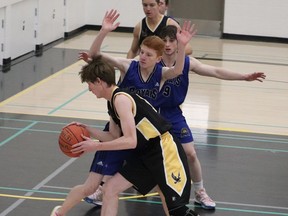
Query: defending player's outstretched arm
(223, 73)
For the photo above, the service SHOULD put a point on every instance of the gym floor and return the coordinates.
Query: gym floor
(240, 129)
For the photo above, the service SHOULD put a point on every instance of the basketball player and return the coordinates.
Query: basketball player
(135, 124)
(163, 6)
(151, 24)
(149, 56)
(173, 94)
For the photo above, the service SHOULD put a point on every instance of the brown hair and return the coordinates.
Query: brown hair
(98, 68)
(154, 42)
(169, 31)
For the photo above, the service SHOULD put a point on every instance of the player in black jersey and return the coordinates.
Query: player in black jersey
(151, 24)
(158, 157)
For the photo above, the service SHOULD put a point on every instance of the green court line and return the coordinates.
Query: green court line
(247, 138)
(18, 133)
(210, 134)
(34, 191)
(67, 102)
(159, 202)
(197, 144)
(217, 208)
(243, 147)
(44, 122)
(41, 107)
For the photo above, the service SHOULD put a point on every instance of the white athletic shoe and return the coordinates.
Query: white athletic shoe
(95, 198)
(54, 211)
(202, 198)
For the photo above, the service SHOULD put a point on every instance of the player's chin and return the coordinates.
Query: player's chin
(148, 15)
(168, 52)
(142, 64)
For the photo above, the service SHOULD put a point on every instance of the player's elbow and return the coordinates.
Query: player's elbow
(132, 142)
(188, 49)
(94, 54)
(131, 54)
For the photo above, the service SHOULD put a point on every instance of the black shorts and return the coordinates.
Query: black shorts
(162, 163)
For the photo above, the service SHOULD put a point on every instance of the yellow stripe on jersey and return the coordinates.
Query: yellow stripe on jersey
(174, 170)
(147, 129)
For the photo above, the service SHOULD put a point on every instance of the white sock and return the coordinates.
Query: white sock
(198, 185)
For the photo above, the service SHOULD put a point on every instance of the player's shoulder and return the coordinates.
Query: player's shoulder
(172, 21)
(137, 27)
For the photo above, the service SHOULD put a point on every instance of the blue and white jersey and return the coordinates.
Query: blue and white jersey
(134, 82)
(174, 91)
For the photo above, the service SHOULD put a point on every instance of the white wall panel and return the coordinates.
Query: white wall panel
(50, 21)
(2, 19)
(21, 31)
(131, 11)
(256, 18)
(75, 15)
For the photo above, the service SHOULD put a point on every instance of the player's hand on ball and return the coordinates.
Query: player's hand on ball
(88, 145)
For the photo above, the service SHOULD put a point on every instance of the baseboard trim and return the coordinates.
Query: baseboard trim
(6, 66)
(68, 35)
(254, 38)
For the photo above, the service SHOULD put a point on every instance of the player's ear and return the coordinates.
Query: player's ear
(98, 80)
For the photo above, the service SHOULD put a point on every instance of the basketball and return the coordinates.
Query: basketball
(69, 136)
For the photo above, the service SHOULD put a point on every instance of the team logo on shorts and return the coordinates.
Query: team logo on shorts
(184, 132)
(177, 179)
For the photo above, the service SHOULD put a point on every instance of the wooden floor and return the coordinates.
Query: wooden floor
(240, 128)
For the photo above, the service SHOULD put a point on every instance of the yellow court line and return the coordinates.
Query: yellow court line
(37, 84)
(62, 199)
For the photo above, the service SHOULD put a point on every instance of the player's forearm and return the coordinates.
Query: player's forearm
(188, 49)
(225, 74)
(120, 143)
(100, 134)
(179, 65)
(131, 54)
(96, 45)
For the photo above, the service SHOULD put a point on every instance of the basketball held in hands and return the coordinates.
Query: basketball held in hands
(69, 136)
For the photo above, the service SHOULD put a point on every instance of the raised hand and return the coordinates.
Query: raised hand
(84, 56)
(259, 76)
(185, 34)
(109, 19)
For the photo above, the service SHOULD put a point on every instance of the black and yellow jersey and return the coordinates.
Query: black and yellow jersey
(149, 123)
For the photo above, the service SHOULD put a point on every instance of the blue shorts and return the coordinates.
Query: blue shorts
(109, 162)
(179, 125)
(182, 131)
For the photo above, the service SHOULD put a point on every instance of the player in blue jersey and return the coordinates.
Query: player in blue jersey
(173, 94)
(144, 76)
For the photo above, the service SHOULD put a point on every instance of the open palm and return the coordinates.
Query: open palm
(185, 34)
(109, 19)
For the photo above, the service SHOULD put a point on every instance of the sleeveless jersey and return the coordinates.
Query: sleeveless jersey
(149, 123)
(146, 31)
(174, 91)
(134, 83)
